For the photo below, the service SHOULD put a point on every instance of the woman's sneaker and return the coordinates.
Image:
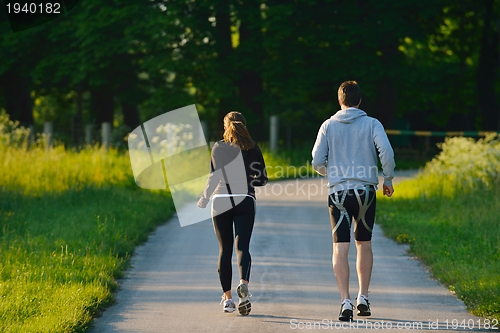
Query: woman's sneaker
(228, 306)
(363, 306)
(244, 306)
(346, 310)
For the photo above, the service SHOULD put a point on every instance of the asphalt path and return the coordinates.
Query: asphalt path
(173, 286)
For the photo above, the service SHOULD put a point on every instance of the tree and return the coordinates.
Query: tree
(19, 53)
(488, 64)
(250, 54)
(431, 61)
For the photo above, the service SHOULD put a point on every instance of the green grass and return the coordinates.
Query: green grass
(68, 224)
(69, 221)
(289, 163)
(449, 215)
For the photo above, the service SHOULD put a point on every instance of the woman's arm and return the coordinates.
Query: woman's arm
(212, 181)
(259, 170)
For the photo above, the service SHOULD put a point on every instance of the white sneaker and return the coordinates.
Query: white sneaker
(228, 306)
(244, 305)
(363, 306)
(346, 310)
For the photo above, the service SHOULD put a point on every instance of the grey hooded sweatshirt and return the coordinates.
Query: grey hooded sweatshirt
(346, 151)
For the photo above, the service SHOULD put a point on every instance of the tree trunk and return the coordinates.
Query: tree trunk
(385, 103)
(128, 90)
(383, 74)
(130, 115)
(78, 118)
(250, 53)
(18, 102)
(224, 50)
(486, 72)
(384, 106)
(102, 105)
(251, 90)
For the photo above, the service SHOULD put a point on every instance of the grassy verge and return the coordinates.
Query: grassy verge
(68, 223)
(449, 216)
(289, 163)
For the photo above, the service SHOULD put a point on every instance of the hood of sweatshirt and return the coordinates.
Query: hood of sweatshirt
(348, 115)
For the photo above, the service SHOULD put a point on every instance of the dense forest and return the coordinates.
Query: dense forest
(421, 64)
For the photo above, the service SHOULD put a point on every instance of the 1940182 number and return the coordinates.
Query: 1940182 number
(33, 8)
(472, 324)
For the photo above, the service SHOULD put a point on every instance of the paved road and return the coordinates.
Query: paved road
(173, 285)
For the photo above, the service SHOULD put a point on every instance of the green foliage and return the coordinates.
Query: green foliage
(289, 163)
(11, 133)
(414, 59)
(449, 216)
(464, 164)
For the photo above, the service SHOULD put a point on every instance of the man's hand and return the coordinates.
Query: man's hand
(322, 170)
(388, 190)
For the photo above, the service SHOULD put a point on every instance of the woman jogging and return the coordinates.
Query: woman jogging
(237, 166)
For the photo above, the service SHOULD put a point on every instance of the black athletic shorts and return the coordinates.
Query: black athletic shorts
(345, 205)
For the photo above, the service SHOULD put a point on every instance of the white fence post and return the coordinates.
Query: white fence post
(106, 135)
(48, 130)
(88, 133)
(273, 134)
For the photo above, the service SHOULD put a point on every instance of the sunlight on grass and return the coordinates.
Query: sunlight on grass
(449, 215)
(36, 172)
(69, 221)
(463, 165)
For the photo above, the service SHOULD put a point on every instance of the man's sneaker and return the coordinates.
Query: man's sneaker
(244, 306)
(363, 306)
(228, 306)
(346, 310)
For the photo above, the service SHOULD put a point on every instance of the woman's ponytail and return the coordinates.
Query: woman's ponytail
(236, 131)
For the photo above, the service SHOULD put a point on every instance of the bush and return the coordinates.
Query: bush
(463, 164)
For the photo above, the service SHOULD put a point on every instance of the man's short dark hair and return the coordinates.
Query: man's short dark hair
(349, 93)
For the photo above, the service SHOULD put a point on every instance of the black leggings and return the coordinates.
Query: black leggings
(243, 217)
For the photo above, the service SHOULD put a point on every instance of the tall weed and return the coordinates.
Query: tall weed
(463, 164)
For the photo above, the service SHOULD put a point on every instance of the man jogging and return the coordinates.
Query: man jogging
(346, 151)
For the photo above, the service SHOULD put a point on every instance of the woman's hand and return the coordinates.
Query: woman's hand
(202, 203)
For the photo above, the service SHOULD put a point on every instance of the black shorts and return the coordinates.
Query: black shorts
(345, 205)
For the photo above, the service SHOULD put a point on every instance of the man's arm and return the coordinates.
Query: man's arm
(320, 151)
(386, 155)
